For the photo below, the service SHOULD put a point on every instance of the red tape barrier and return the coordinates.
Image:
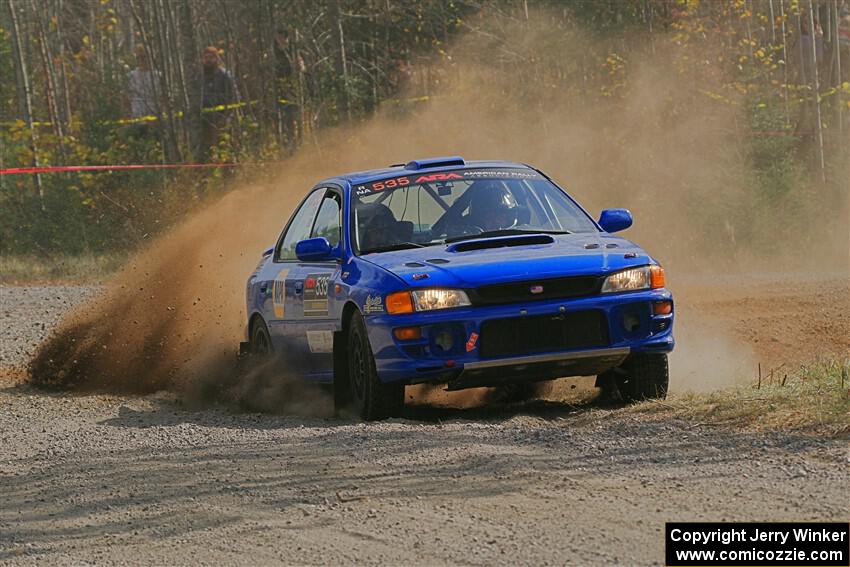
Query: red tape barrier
(64, 168)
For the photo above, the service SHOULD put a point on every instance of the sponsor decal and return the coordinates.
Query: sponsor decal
(279, 294)
(396, 182)
(438, 177)
(382, 185)
(320, 341)
(501, 173)
(316, 295)
(373, 304)
(472, 342)
(535, 289)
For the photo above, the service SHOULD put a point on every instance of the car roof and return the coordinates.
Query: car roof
(417, 165)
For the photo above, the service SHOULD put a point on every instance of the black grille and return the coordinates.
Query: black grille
(554, 288)
(543, 333)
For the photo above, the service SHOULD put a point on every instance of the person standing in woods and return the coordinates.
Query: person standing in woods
(140, 90)
(217, 89)
(844, 43)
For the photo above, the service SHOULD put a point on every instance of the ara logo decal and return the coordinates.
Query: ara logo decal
(316, 295)
(279, 293)
(438, 177)
(317, 285)
(535, 289)
(373, 304)
(473, 340)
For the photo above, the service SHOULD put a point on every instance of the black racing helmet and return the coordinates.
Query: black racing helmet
(376, 225)
(492, 206)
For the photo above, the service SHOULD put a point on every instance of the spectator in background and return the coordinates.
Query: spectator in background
(217, 89)
(844, 43)
(140, 89)
(811, 56)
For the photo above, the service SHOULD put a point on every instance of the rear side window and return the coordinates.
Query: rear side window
(299, 227)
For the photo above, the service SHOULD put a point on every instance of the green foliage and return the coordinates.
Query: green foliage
(775, 168)
(341, 64)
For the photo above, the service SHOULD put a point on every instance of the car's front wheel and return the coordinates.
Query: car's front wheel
(642, 376)
(371, 399)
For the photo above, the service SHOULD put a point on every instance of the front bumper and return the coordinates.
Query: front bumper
(631, 324)
(537, 367)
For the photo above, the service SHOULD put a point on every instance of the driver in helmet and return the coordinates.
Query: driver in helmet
(377, 226)
(492, 206)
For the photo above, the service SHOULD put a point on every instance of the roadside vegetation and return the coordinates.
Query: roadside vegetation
(814, 399)
(82, 269)
(301, 67)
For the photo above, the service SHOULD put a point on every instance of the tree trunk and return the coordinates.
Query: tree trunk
(192, 79)
(817, 90)
(25, 93)
(340, 66)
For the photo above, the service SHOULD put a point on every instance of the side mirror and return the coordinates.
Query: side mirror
(615, 220)
(314, 250)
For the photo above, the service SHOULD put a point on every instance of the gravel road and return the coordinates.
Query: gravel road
(27, 313)
(119, 479)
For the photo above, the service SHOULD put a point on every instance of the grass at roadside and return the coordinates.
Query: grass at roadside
(814, 399)
(77, 269)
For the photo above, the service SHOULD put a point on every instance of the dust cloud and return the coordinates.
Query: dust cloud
(173, 317)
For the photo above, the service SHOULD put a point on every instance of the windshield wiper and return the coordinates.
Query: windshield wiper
(397, 246)
(505, 232)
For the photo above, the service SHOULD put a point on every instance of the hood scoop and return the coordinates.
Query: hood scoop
(483, 244)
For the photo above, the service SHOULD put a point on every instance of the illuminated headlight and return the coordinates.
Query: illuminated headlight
(633, 279)
(430, 299)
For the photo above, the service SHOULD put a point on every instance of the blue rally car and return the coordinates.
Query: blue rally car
(468, 273)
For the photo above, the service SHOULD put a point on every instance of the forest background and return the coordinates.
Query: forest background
(779, 67)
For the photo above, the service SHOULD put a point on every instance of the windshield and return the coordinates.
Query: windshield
(419, 210)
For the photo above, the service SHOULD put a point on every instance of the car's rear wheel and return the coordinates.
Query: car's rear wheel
(257, 376)
(261, 342)
(642, 376)
(371, 399)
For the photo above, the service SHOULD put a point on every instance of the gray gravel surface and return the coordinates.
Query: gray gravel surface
(27, 313)
(114, 480)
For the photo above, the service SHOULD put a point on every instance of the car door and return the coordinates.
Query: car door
(281, 309)
(314, 284)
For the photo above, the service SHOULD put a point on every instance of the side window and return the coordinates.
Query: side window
(299, 228)
(327, 221)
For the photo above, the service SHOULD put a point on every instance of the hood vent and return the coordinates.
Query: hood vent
(469, 245)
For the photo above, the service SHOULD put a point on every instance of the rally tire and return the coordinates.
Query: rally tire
(370, 399)
(261, 341)
(341, 387)
(518, 392)
(257, 375)
(644, 377)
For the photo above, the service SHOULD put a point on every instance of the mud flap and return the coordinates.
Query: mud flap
(244, 350)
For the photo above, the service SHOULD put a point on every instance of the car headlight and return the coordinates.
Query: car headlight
(427, 299)
(633, 279)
